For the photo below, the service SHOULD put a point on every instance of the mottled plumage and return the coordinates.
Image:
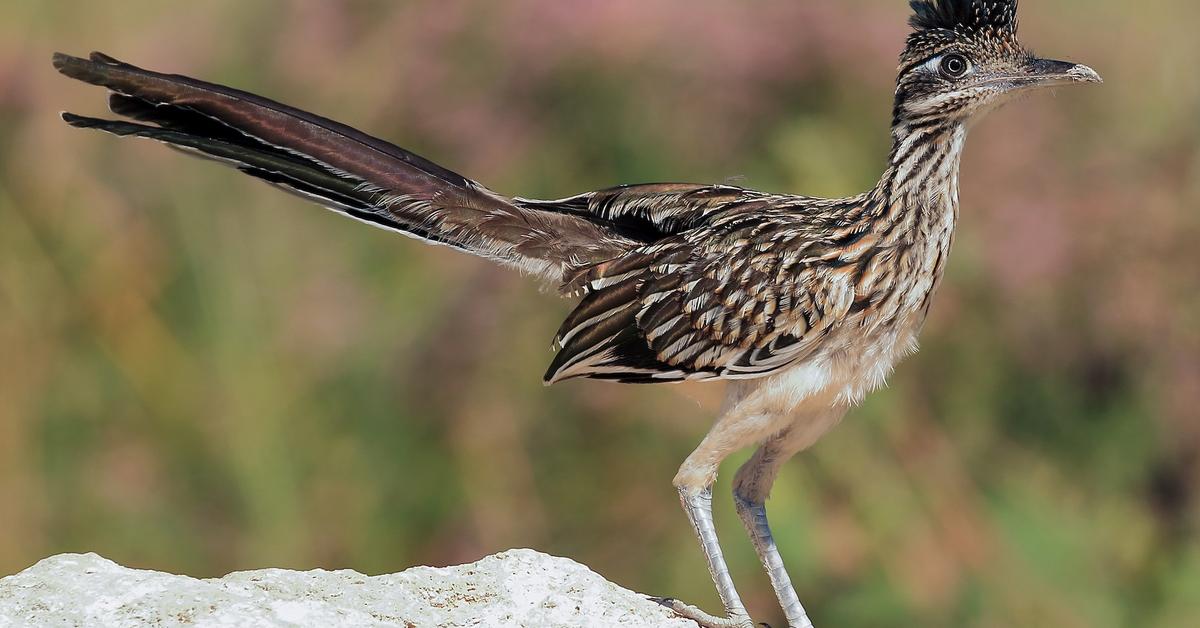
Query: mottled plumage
(804, 304)
(739, 291)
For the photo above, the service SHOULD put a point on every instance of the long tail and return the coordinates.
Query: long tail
(340, 168)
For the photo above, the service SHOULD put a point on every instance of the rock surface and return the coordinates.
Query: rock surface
(514, 588)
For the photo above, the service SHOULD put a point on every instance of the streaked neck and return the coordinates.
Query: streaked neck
(920, 184)
(924, 160)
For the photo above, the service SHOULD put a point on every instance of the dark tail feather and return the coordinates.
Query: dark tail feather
(339, 167)
(292, 174)
(331, 142)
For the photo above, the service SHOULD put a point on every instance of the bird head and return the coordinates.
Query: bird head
(963, 59)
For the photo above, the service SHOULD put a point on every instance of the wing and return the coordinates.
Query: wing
(743, 296)
(647, 213)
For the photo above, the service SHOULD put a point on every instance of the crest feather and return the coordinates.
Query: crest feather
(959, 15)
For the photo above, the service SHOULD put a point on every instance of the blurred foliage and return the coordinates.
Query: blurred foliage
(200, 374)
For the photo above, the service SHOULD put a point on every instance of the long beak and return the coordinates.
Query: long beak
(1048, 73)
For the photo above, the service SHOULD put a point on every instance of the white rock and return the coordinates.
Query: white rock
(514, 588)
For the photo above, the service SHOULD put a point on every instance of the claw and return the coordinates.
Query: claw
(702, 618)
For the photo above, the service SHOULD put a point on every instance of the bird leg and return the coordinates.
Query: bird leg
(737, 428)
(754, 517)
(751, 486)
(698, 507)
(753, 513)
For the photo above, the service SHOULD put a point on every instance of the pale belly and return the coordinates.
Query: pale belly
(810, 398)
(838, 375)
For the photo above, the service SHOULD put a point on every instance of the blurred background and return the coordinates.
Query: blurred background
(200, 374)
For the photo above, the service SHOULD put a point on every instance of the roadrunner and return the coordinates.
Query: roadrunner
(802, 304)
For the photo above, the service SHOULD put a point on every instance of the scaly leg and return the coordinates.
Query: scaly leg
(750, 489)
(737, 428)
(754, 516)
(699, 512)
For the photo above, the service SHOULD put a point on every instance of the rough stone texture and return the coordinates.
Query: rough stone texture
(514, 588)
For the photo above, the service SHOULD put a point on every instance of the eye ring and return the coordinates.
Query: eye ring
(954, 66)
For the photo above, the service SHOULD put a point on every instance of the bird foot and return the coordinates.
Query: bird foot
(704, 619)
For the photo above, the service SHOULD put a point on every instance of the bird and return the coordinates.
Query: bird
(801, 305)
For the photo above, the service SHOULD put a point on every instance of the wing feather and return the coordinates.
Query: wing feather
(742, 296)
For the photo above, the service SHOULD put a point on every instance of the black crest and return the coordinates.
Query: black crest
(960, 15)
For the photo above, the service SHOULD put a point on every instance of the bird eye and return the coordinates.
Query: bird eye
(954, 66)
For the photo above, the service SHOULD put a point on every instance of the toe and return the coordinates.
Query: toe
(702, 618)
